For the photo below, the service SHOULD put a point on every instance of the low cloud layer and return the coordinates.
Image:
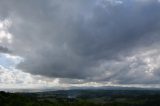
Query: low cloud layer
(80, 41)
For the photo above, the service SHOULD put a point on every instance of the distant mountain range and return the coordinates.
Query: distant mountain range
(77, 88)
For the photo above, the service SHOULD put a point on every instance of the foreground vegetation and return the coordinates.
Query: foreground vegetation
(82, 98)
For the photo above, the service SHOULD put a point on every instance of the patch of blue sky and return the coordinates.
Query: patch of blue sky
(8, 61)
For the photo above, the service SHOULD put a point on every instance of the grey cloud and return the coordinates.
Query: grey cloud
(4, 50)
(73, 39)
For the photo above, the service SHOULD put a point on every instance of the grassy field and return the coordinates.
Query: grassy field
(82, 98)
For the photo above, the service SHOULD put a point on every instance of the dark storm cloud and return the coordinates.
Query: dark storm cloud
(84, 39)
(4, 50)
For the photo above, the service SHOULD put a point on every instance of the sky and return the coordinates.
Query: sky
(63, 44)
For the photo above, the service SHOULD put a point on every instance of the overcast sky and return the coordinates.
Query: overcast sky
(79, 43)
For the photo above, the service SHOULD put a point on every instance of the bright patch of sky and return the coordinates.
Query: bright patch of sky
(9, 61)
(5, 36)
